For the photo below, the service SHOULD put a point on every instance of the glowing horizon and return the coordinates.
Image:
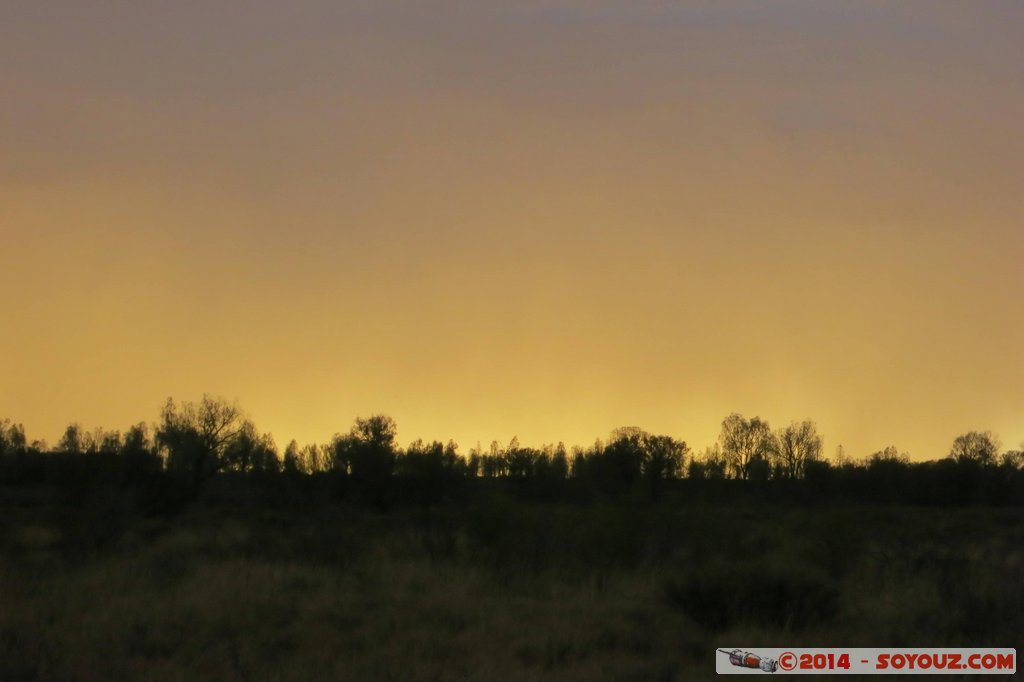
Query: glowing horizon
(545, 220)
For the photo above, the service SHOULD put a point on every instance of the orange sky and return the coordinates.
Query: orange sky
(542, 218)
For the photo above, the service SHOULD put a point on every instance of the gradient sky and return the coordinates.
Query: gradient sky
(543, 218)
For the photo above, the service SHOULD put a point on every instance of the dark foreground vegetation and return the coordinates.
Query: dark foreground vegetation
(198, 553)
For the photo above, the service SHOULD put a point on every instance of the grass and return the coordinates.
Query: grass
(499, 590)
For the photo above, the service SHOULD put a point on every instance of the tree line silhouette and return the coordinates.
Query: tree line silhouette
(194, 442)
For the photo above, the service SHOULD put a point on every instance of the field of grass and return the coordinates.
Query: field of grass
(499, 589)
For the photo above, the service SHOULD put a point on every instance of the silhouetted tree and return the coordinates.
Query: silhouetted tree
(664, 458)
(250, 452)
(432, 468)
(292, 458)
(975, 446)
(619, 464)
(710, 465)
(519, 461)
(196, 440)
(105, 442)
(554, 464)
(474, 462)
(140, 457)
(819, 474)
(12, 438)
(889, 455)
(137, 438)
(317, 458)
(494, 464)
(744, 441)
(797, 444)
(1013, 459)
(73, 440)
(630, 456)
(366, 455)
(198, 436)
(888, 474)
(578, 462)
(77, 440)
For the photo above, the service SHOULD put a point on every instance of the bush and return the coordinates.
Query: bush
(720, 595)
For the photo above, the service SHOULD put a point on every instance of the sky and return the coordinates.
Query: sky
(542, 218)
